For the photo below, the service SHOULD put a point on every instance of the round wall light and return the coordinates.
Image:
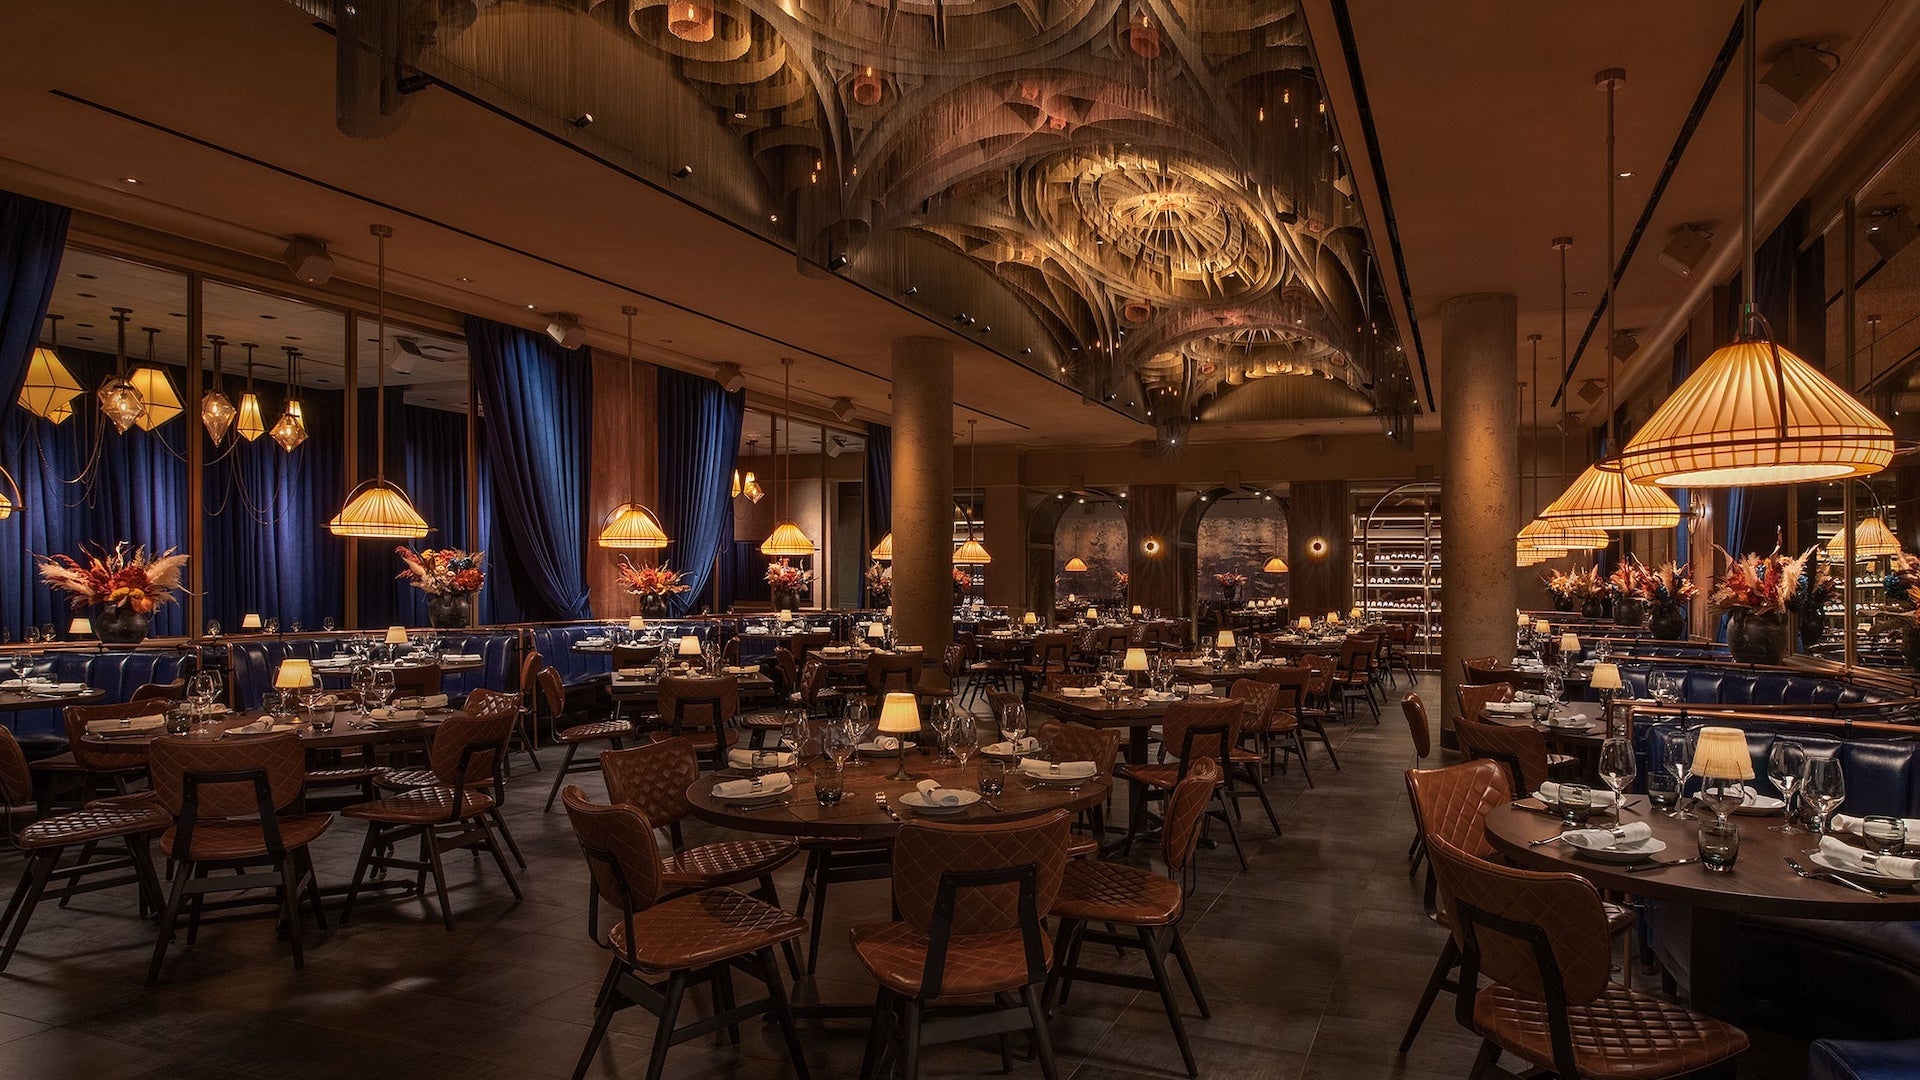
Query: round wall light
(1317, 547)
(1151, 545)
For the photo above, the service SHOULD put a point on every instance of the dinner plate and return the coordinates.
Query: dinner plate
(1630, 851)
(917, 801)
(1760, 805)
(1058, 781)
(1874, 880)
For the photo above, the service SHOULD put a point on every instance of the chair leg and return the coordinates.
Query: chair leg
(771, 894)
(1179, 945)
(492, 843)
(439, 870)
(1449, 955)
(500, 826)
(167, 920)
(1157, 961)
(819, 883)
(312, 881)
(1260, 789)
(33, 881)
(782, 1010)
(723, 998)
(360, 871)
(910, 1039)
(1300, 749)
(604, 1007)
(1226, 814)
(1489, 1054)
(876, 1037)
(290, 907)
(669, 1014)
(560, 777)
(1041, 1042)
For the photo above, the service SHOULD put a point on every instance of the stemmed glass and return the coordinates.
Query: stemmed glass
(1661, 685)
(382, 688)
(1676, 755)
(1618, 768)
(838, 740)
(1013, 728)
(361, 679)
(963, 740)
(203, 687)
(941, 718)
(1825, 788)
(1787, 770)
(328, 624)
(1553, 683)
(859, 725)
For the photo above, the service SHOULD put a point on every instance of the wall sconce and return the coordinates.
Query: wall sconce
(1317, 547)
(1151, 545)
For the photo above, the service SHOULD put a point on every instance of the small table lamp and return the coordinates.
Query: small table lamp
(1224, 641)
(1030, 619)
(1333, 618)
(294, 674)
(689, 645)
(900, 717)
(1305, 623)
(876, 632)
(636, 623)
(396, 635)
(1093, 614)
(1134, 664)
(250, 621)
(784, 616)
(1542, 627)
(1523, 620)
(80, 627)
(1136, 611)
(1722, 762)
(1606, 679)
(1354, 614)
(1569, 644)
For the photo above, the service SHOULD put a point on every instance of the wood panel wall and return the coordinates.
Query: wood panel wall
(626, 464)
(1155, 580)
(1323, 582)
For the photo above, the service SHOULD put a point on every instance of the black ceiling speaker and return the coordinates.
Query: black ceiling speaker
(308, 260)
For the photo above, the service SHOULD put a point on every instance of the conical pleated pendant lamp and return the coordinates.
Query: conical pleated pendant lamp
(788, 540)
(378, 509)
(631, 526)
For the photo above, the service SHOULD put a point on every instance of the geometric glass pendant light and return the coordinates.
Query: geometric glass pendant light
(631, 526)
(251, 426)
(378, 508)
(50, 388)
(216, 409)
(1754, 413)
(291, 429)
(155, 388)
(119, 401)
(787, 539)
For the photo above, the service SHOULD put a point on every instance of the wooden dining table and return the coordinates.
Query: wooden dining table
(27, 701)
(340, 729)
(1759, 883)
(1136, 714)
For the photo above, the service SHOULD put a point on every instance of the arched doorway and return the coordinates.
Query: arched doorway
(1235, 530)
(1070, 530)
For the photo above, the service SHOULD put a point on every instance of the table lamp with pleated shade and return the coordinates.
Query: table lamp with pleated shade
(396, 635)
(295, 674)
(1569, 644)
(689, 645)
(900, 718)
(1721, 759)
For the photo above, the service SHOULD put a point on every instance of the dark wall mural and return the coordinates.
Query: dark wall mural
(1240, 535)
(1095, 533)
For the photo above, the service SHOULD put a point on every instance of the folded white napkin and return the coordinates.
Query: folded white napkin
(1199, 689)
(21, 684)
(67, 687)
(630, 673)
(1550, 794)
(770, 784)
(1630, 833)
(462, 657)
(1079, 691)
(1027, 746)
(396, 714)
(130, 724)
(1188, 662)
(1845, 855)
(936, 795)
(743, 759)
(886, 742)
(743, 669)
(430, 701)
(1057, 770)
(1844, 823)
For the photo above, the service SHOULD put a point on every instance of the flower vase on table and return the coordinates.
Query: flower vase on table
(450, 610)
(651, 585)
(1758, 593)
(121, 624)
(653, 606)
(1629, 611)
(1594, 607)
(449, 577)
(786, 582)
(120, 588)
(786, 601)
(1755, 637)
(1668, 622)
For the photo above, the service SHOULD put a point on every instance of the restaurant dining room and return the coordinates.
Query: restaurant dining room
(1079, 540)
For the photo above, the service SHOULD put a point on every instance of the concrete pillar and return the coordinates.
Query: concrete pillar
(923, 496)
(1479, 486)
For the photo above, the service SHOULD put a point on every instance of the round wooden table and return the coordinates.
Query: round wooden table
(16, 701)
(860, 817)
(1760, 883)
(344, 729)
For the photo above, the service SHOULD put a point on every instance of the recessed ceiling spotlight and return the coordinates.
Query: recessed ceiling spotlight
(1626, 174)
(529, 307)
(683, 172)
(583, 120)
(133, 180)
(463, 279)
(1579, 294)
(910, 290)
(775, 218)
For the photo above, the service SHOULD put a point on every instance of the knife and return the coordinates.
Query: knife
(1662, 865)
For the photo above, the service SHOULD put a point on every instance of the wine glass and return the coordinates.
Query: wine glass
(1825, 788)
(201, 689)
(1618, 768)
(33, 635)
(361, 679)
(1013, 727)
(838, 740)
(1676, 755)
(1553, 683)
(860, 725)
(940, 718)
(1787, 770)
(382, 687)
(963, 740)
(328, 624)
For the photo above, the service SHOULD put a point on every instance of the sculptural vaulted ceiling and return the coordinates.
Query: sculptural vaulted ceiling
(1142, 198)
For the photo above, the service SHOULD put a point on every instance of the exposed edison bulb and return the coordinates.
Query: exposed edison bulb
(217, 413)
(121, 402)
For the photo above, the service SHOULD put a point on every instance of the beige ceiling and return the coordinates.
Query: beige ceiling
(1492, 137)
(231, 136)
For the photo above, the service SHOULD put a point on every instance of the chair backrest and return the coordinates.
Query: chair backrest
(1186, 806)
(635, 656)
(1417, 725)
(530, 664)
(621, 853)
(416, 680)
(16, 777)
(552, 691)
(1319, 673)
(1474, 699)
(789, 668)
(1078, 742)
(1050, 649)
(953, 663)
(90, 757)
(1521, 749)
(467, 746)
(166, 691)
(952, 879)
(813, 681)
(652, 777)
(895, 672)
(279, 759)
(1452, 803)
(1289, 684)
(1199, 728)
(698, 703)
(998, 700)
(1261, 700)
(1542, 935)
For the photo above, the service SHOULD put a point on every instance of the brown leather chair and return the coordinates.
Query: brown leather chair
(1193, 729)
(815, 695)
(1488, 670)
(1050, 657)
(1115, 894)
(690, 939)
(612, 731)
(457, 812)
(1415, 711)
(166, 691)
(1354, 677)
(133, 822)
(897, 673)
(1245, 765)
(1294, 724)
(635, 656)
(228, 799)
(1541, 939)
(1522, 749)
(970, 899)
(703, 708)
(789, 669)
(416, 680)
(1079, 742)
(102, 769)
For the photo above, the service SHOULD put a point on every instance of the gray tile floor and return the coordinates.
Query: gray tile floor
(1312, 960)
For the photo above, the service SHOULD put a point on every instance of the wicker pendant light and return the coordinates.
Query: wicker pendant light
(788, 540)
(631, 526)
(376, 509)
(972, 552)
(216, 409)
(119, 401)
(9, 495)
(1755, 413)
(882, 551)
(50, 388)
(155, 388)
(1872, 539)
(1075, 565)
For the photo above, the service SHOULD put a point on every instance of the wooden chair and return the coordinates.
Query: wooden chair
(702, 705)
(166, 691)
(1541, 939)
(970, 899)
(133, 822)
(1293, 724)
(1051, 652)
(99, 770)
(1355, 676)
(891, 673)
(815, 695)
(613, 731)
(416, 680)
(229, 800)
(458, 812)
(1193, 729)
(1079, 742)
(698, 937)
(1118, 895)
(1258, 699)
(526, 732)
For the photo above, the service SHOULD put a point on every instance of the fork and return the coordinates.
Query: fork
(1835, 878)
(880, 800)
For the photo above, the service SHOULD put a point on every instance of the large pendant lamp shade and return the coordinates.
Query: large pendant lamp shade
(788, 540)
(50, 388)
(217, 413)
(1275, 565)
(378, 509)
(154, 388)
(1551, 540)
(1603, 498)
(9, 494)
(1756, 414)
(631, 526)
(1872, 539)
(882, 551)
(1075, 565)
(972, 552)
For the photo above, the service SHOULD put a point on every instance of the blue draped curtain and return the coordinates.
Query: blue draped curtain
(268, 550)
(538, 401)
(699, 444)
(136, 492)
(32, 236)
(427, 455)
(879, 483)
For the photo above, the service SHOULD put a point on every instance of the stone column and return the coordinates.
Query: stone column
(1479, 485)
(923, 496)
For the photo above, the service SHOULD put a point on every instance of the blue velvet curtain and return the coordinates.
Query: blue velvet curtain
(538, 401)
(427, 455)
(268, 550)
(32, 236)
(879, 483)
(137, 492)
(699, 444)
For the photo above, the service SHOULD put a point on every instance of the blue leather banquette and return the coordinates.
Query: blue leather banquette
(251, 662)
(119, 672)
